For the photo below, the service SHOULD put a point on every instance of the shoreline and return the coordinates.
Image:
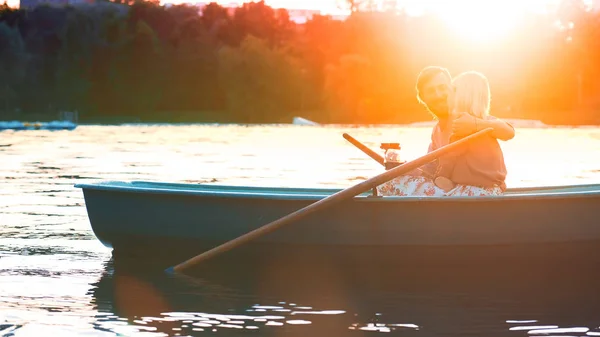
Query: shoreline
(529, 124)
(299, 120)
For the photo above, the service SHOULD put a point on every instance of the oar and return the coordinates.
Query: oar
(364, 149)
(342, 195)
(374, 154)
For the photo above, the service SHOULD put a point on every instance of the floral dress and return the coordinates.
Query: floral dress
(417, 185)
(408, 185)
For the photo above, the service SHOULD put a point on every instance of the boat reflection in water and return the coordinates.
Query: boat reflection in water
(522, 264)
(290, 298)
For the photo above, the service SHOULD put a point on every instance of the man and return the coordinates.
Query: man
(433, 86)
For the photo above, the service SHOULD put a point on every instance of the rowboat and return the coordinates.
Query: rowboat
(556, 224)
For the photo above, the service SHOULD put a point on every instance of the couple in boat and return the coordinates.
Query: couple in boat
(461, 105)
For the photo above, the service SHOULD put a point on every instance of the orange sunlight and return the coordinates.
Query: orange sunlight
(489, 20)
(481, 21)
(475, 20)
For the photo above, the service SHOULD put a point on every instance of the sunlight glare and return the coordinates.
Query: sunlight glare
(481, 21)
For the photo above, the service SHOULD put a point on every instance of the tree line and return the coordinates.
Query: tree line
(140, 60)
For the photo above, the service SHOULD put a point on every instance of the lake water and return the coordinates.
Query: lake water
(56, 279)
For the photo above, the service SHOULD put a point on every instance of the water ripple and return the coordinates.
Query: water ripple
(56, 278)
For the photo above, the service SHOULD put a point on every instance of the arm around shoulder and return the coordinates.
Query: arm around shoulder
(502, 130)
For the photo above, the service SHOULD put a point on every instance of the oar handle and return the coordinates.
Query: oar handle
(365, 149)
(374, 154)
(328, 201)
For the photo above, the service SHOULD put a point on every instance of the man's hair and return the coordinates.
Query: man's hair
(426, 75)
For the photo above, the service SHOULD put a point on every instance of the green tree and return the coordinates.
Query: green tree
(260, 83)
(13, 61)
(140, 71)
(192, 70)
(262, 21)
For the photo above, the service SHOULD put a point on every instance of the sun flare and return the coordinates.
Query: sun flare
(480, 20)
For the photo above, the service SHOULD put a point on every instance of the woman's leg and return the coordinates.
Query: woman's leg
(409, 186)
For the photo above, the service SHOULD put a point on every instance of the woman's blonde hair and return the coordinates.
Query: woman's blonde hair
(471, 94)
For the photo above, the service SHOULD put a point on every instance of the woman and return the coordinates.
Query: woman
(476, 169)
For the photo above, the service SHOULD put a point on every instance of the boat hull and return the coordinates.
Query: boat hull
(180, 219)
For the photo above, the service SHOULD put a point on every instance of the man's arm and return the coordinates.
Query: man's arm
(502, 130)
(466, 124)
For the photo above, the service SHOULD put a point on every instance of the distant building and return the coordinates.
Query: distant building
(28, 4)
(299, 16)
